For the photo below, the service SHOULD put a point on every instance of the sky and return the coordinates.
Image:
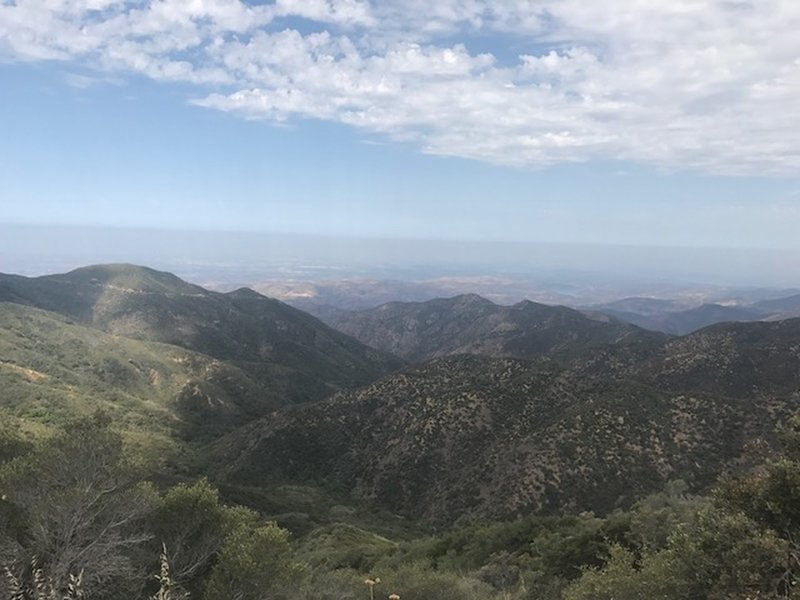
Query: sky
(620, 122)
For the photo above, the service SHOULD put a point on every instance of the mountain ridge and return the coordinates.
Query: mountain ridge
(471, 324)
(528, 408)
(675, 318)
(265, 337)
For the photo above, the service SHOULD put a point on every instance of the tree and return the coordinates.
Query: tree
(743, 544)
(83, 509)
(254, 564)
(12, 443)
(192, 524)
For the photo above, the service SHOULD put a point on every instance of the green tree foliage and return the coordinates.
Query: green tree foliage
(417, 582)
(12, 442)
(12, 445)
(727, 555)
(771, 494)
(623, 578)
(193, 523)
(744, 544)
(721, 556)
(254, 564)
(651, 520)
(74, 505)
(341, 584)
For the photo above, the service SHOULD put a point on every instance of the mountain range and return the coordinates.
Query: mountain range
(470, 324)
(671, 317)
(502, 411)
(394, 326)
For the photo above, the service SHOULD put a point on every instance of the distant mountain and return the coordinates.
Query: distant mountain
(641, 306)
(475, 437)
(671, 316)
(789, 306)
(288, 352)
(319, 297)
(470, 324)
(686, 321)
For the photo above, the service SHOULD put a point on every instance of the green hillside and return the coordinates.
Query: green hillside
(291, 355)
(52, 370)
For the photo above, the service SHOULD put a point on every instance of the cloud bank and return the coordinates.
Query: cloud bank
(708, 85)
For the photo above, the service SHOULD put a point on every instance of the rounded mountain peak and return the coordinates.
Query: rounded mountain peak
(131, 277)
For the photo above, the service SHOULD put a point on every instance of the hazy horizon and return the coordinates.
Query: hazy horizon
(602, 142)
(251, 257)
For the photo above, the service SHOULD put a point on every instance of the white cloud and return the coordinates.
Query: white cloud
(83, 82)
(340, 12)
(699, 84)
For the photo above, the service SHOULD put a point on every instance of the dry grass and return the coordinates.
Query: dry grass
(41, 587)
(165, 583)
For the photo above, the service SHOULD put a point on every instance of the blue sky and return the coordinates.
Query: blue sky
(530, 121)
